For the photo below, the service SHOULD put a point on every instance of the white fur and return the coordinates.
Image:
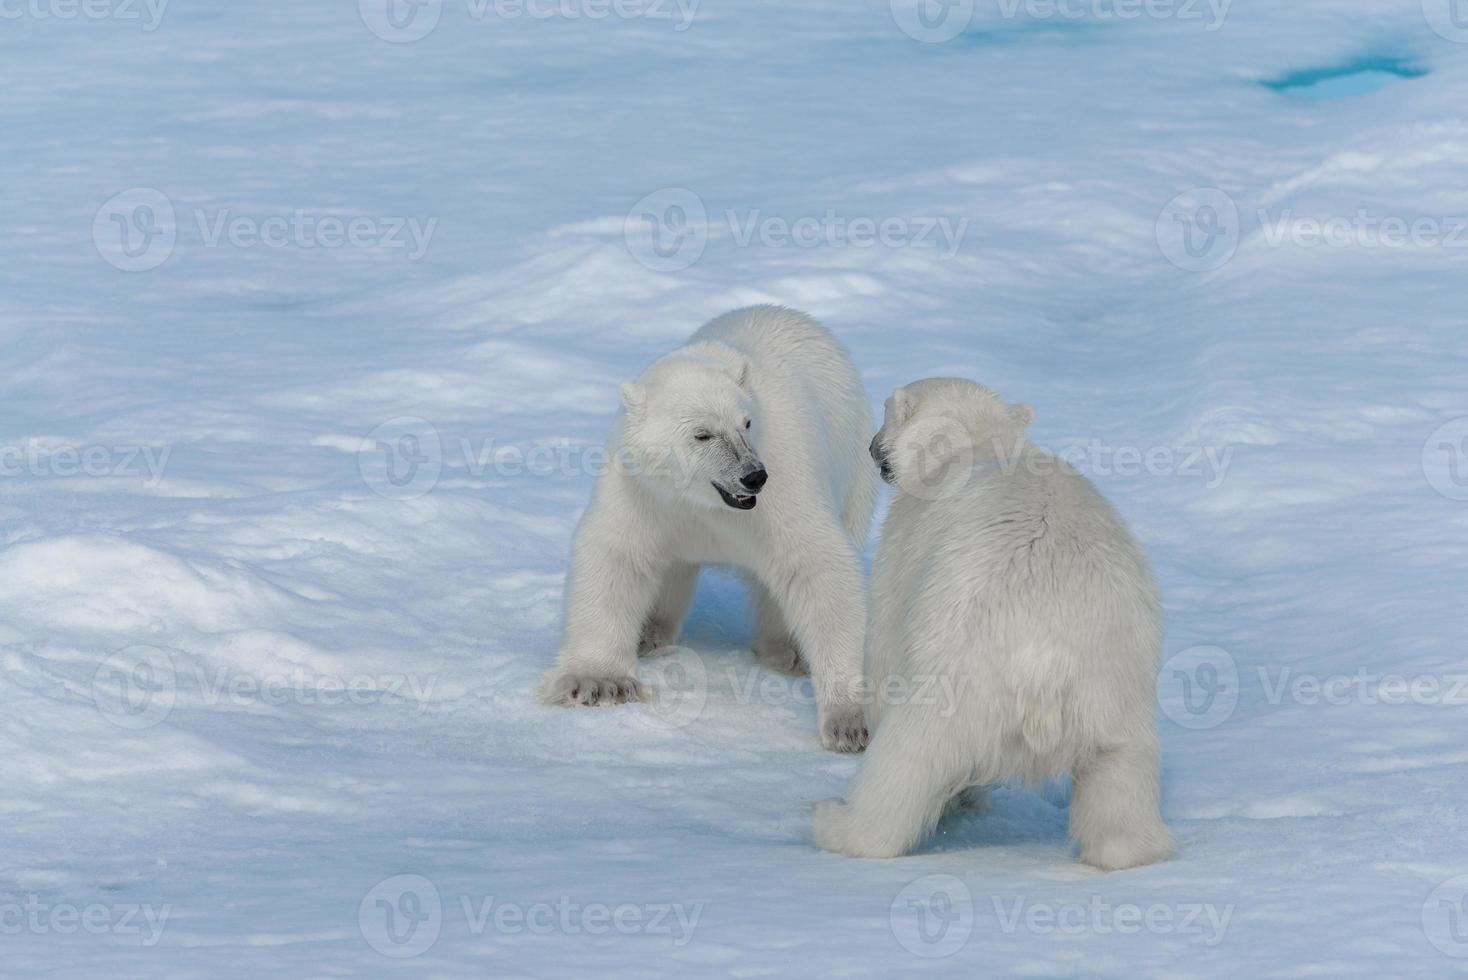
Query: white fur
(1004, 578)
(651, 525)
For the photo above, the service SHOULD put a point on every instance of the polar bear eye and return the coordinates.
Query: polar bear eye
(703, 436)
(747, 422)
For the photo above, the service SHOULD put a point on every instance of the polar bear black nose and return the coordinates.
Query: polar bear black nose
(755, 480)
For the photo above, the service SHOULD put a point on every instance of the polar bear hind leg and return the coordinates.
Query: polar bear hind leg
(665, 622)
(1113, 809)
(910, 774)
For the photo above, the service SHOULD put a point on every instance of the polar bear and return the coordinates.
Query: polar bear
(746, 448)
(1006, 580)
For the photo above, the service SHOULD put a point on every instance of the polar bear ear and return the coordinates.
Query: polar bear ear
(740, 370)
(634, 398)
(1021, 415)
(903, 405)
(733, 361)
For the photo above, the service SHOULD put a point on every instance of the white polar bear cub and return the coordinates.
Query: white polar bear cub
(1004, 578)
(744, 448)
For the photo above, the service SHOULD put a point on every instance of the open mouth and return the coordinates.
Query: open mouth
(738, 502)
(886, 472)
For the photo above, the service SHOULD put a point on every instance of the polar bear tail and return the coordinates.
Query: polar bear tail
(1041, 721)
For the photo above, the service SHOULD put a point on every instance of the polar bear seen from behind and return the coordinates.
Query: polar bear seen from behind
(745, 447)
(1003, 577)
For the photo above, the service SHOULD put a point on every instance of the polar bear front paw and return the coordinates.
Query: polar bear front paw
(583, 690)
(844, 729)
(783, 657)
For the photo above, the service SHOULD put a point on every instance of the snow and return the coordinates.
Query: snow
(257, 670)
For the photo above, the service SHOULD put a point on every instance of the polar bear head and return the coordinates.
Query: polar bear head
(690, 424)
(936, 430)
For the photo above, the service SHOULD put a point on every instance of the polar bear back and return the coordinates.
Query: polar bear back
(1026, 584)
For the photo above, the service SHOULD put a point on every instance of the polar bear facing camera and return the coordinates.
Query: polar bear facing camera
(745, 447)
(1006, 578)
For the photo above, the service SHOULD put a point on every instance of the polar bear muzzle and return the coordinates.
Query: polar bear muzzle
(737, 501)
(752, 480)
(879, 456)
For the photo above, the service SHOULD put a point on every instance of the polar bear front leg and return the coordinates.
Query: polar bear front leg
(774, 645)
(608, 597)
(675, 595)
(817, 582)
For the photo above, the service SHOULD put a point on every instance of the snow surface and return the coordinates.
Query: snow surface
(202, 543)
